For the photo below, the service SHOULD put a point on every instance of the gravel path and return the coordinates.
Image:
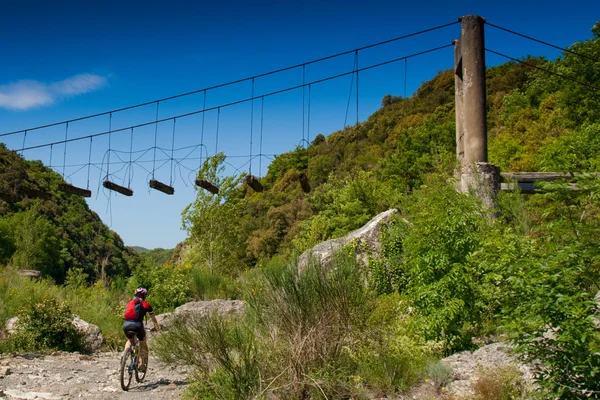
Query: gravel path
(75, 376)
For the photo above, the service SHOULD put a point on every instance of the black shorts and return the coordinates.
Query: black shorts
(136, 327)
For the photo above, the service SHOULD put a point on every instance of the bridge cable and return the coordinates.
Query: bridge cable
(89, 164)
(303, 100)
(251, 127)
(593, 89)
(239, 80)
(217, 135)
(155, 138)
(172, 150)
(405, 66)
(544, 43)
(350, 93)
(262, 110)
(356, 87)
(249, 99)
(202, 131)
(24, 137)
(109, 136)
(65, 152)
(130, 158)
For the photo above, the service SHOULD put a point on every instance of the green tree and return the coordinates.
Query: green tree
(211, 220)
(36, 244)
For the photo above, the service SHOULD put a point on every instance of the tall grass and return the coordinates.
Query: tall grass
(320, 333)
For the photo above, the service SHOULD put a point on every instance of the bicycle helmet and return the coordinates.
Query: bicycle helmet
(141, 292)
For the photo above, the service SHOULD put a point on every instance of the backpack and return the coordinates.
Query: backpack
(134, 311)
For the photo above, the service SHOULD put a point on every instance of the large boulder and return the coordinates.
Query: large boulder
(369, 235)
(92, 336)
(196, 309)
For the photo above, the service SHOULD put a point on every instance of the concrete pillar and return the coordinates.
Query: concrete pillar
(477, 176)
(472, 48)
(458, 95)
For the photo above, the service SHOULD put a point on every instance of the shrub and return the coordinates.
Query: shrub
(224, 352)
(501, 383)
(46, 326)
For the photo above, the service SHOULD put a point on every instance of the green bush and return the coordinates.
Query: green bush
(224, 352)
(45, 326)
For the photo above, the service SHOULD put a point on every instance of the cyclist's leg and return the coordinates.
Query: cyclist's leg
(141, 334)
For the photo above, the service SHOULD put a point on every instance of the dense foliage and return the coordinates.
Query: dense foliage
(451, 271)
(56, 234)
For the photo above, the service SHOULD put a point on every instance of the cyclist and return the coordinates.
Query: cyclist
(135, 311)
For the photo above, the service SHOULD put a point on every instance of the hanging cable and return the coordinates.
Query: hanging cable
(109, 135)
(130, 156)
(303, 100)
(202, 131)
(542, 42)
(155, 138)
(308, 124)
(593, 89)
(24, 137)
(350, 93)
(50, 165)
(240, 80)
(89, 164)
(233, 103)
(172, 149)
(262, 110)
(65, 152)
(217, 136)
(251, 126)
(405, 65)
(356, 55)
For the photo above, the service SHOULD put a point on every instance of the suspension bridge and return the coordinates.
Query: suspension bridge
(165, 142)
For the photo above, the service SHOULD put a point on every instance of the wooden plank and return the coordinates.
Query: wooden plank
(65, 187)
(253, 182)
(117, 188)
(206, 185)
(529, 187)
(161, 187)
(539, 176)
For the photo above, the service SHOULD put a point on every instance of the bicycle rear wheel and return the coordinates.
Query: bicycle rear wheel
(126, 373)
(139, 375)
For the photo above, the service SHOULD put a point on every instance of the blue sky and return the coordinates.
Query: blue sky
(66, 59)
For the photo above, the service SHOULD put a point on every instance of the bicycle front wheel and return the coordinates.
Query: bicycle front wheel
(126, 371)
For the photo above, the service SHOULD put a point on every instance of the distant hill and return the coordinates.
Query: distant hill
(139, 249)
(51, 231)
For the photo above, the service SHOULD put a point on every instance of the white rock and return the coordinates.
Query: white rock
(21, 395)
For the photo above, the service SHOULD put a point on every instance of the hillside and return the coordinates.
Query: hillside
(449, 277)
(47, 230)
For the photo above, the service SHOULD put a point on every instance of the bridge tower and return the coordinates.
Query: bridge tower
(474, 172)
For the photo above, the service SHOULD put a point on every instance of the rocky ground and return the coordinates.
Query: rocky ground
(76, 376)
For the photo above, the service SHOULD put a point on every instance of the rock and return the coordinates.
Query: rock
(597, 318)
(202, 309)
(21, 395)
(465, 364)
(10, 326)
(5, 371)
(368, 235)
(92, 336)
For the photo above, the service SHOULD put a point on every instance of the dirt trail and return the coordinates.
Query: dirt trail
(64, 376)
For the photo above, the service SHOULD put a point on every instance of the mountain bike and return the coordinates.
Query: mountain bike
(129, 362)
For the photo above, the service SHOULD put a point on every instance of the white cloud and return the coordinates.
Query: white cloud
(28, 94)
(79, 84)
